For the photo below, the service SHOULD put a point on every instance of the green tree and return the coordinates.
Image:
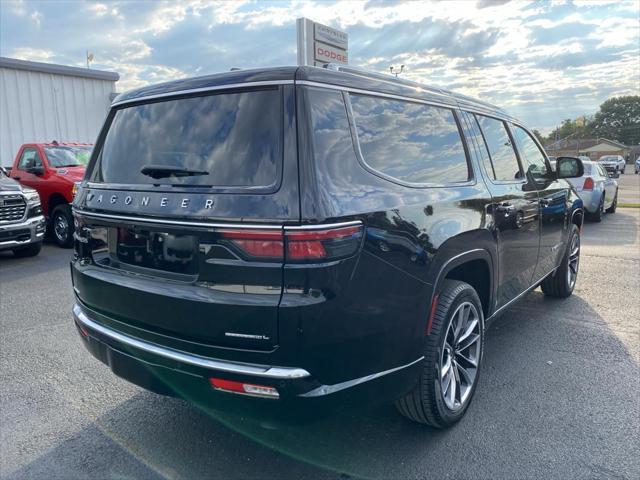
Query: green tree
(619, 120)
(539, 136)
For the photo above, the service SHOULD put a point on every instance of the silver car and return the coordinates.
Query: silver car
(613, 163)
(598, 191)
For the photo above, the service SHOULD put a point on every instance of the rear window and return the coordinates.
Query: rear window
(67, 156)
(223, 140)
(411, 142)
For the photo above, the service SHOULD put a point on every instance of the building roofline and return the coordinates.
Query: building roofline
(42, 67)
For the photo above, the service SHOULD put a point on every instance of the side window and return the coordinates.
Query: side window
(503, 156)
(411, 142)
(530, 153)
(473, 134)
(332, 141)
(602, 171)
(29, 159)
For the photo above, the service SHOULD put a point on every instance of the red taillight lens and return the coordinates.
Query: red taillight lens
(588, 184)
(296, 244)
(257, 243)
(322, 244)
(244, 388)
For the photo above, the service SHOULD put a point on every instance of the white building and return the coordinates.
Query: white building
(41, 102)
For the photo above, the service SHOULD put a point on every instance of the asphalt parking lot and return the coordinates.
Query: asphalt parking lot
(558, 396)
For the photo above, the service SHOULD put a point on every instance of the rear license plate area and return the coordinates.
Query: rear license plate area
(157, 250)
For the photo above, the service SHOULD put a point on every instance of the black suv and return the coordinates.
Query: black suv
(302, 233)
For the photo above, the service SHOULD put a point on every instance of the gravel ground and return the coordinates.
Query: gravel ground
(558, 396)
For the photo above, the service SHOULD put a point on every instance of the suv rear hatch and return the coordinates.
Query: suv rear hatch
(180, 225)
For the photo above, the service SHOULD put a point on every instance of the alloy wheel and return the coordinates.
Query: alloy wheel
(574, 261)
(61, 227)
(460, 356)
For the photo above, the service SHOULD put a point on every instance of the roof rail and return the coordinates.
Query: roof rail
(385, 77)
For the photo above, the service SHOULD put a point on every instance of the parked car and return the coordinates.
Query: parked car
(597, 189)
(53, 169)
(302, 234)
(22, 225)
(637, 165)
(613, 163)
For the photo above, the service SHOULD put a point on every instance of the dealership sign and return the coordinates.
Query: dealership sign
(319, 44)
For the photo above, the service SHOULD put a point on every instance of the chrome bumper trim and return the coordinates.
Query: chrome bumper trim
(281, 373)
(30, 223)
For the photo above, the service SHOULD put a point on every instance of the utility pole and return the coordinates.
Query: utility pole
(396, 72)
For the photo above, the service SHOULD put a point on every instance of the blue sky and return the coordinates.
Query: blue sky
(542, 61)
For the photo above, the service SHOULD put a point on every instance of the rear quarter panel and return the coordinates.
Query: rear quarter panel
(371, 311)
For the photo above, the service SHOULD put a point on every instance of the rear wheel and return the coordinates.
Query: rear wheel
(452, 359)
(62, 225)
(562, 282)
(30, 250)
(597, 215)
(614, 205)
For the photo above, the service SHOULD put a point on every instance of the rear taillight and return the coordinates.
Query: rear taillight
(588, 184)
(322, 244)
(295, 244)
(261, 244)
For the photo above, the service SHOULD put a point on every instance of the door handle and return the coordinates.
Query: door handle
(16, 178)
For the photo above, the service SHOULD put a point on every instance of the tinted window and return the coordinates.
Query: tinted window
(230, 139)
(67, 156)
(530, 153)
(503, 157)
(29, 159)
(412, 142)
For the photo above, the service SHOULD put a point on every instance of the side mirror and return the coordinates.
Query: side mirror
(613, 174)
(36, 170)
(569, 167)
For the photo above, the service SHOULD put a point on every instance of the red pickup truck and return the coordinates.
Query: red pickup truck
(53, 169)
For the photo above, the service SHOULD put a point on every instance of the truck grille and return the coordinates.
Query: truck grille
(12, 208)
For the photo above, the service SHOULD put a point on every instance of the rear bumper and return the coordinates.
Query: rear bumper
(21, 234)
(172, 372)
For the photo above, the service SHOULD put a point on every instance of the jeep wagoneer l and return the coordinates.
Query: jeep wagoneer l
(307, 233)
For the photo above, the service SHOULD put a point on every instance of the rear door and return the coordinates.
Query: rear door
(183, 217)
(515, 206)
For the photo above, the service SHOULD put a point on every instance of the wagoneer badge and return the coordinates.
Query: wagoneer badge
(146, 201)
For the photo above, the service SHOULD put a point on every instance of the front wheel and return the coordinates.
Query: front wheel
(62, 225)
(452, 359)
(561, 283)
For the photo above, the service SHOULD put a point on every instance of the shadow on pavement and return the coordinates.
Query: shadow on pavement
(555, 383)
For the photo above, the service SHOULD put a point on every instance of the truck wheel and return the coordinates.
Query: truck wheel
(561, 283)
(30, 250)
(452, 359)
(614, 205)
(62, 226)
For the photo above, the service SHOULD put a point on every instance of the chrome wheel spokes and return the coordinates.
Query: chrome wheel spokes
(460, 356)
(574, 261)
(61, 227)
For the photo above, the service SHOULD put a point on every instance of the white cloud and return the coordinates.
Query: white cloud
(33, 54)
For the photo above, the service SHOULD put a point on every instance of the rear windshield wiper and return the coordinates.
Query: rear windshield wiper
(163, 171)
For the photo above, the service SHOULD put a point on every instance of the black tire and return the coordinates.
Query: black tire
(614, 205)
(559, 284)
(426, 403)
(30, 250)
(62, 226)
(597, 215)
